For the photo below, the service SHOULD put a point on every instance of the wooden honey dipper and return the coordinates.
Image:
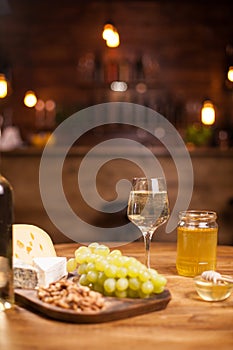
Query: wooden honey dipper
(216, 277)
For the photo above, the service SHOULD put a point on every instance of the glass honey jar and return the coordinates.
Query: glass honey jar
(197, 234)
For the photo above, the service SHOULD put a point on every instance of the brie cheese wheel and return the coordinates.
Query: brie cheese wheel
(30, 241)
(50, 269)
(25, 275)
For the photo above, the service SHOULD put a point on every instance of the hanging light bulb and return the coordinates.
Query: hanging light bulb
(3, 86)
(113, 40)
(230, 74)
(208, 113)
(108, 30)
(111, 35)
(30, 99)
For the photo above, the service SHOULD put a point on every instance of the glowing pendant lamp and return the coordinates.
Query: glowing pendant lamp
(30, 99)
(3, 86)
(208, 113)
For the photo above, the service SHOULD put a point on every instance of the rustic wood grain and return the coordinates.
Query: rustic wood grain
(188, 323)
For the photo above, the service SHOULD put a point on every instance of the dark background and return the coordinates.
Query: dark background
(180, 49)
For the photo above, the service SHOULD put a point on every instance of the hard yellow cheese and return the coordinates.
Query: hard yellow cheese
(31, 242)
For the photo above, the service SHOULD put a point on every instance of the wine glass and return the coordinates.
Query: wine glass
(148, 207)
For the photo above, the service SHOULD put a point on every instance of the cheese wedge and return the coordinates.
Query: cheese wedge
(50, 269)
(25, 275)
(30, 241)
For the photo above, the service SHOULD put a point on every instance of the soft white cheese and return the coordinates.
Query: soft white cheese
(50, 269)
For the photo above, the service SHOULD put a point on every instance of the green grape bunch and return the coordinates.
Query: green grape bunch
(114, 274)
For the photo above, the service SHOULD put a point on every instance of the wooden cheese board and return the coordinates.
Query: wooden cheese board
(114, 309)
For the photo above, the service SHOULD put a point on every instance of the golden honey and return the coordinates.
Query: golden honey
(211, 291)
(196, 242)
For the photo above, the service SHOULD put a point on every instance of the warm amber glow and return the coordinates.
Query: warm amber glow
(3, 86)
(108, 30)
(40, 105)
(30, 99)
(141, 88)
(111, 35)
(50, 105)
(208, 113)
(113, 40)
(230, 74)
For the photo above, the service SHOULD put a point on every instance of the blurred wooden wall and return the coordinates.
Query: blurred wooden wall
(182, 44)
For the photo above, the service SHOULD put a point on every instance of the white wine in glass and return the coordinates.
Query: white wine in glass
(148, 207)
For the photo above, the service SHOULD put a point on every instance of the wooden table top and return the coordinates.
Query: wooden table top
(187, 323)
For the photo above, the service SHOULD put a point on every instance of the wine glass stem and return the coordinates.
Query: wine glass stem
(147, 240)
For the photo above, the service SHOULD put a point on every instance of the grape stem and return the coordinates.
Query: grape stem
(147, 240)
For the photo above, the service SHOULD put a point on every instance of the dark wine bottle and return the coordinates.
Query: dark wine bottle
(6, 268)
